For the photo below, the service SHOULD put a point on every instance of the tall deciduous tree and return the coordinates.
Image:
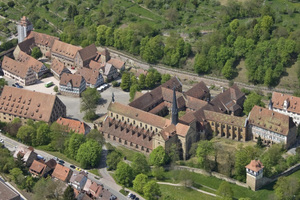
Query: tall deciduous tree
(26, 134)
(204, 150)
(69, 194)
(200, 65)
(126, 82)
(225, 191)
(152, 191)
(94, 134)
(113, 160)
(89, 154)
(124, 174)
(89, 101)
(139, 164)
(165, 78)
(252, 100)
(286, 188)
(43, 135)
(158, 157)
(74, 143)
(139, 182)
(36, 53)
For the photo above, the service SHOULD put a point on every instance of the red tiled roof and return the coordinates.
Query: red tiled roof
(255, 165)
(91, 76)
(75, 125)
(116, 63)
(42, 39)
(14, 67)
(64, 49)
(59, 67)
(279, 98)
(88, 52)
(75, 79)
(61, 172)
(198, 91)
(30, 61)
(37, 167)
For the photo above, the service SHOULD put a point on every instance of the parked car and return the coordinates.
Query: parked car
(18, 85)
(136, 198)
(129, 195)
(112, 197)
(61, 161)
(133, 196)
(78, 169)
(72, 166)
(62, 164)
(1, 140)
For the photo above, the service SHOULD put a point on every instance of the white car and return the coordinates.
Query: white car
(1, 141)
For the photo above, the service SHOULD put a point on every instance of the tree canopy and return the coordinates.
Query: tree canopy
(89, 154)
(158, 157)
(89, 101)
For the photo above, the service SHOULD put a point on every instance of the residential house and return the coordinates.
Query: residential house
(58, 68)
(74, 125)
(85, 55)
(72, 84)
(92, 77)
(108, 71)
(51, 164)
(27, 154)
(199, 91)
(39, 169)
(78, 180)
(62, 173)
(272, 127)
(286, 104)
(26, 104)
(95, 189)
(38, 67)
(118, 64)
(18, 71)
(64, 52)
(7, 193)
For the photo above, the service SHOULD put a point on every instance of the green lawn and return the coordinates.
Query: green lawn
(128, 153)
(214, 183)
(95, 172)
(182, 193)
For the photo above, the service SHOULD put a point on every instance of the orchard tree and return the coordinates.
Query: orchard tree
(139, 182)
(158, 157)
(151, 191)
(124, 174)
(89, 154)
(89, 101)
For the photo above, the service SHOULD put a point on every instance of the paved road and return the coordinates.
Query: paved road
(114, 189)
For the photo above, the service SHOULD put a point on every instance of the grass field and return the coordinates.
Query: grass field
(290, 79)
(128, 153)
(95, 172)
(214, 183)
(182, 193)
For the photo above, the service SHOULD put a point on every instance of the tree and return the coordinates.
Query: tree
(11, 4)
(124, 174)
(133, 89)
(125, 83)
(29, 183)
(286, 188)
(158, 172)
(89, 101)
(47, 189)
(204, 150)
(55, 89)
(150, 80)
(165, 78)
(15, 173)
(158, 157)
(69, 194)
(200, 65)
(225, 191)
(113, 160)
(26, 134)
(252, 100)
(3, 82)
(139, 164)
(74, 143)
(43, 135)
(94, 134)
(228, 71)
(186, 177)
(242, 158)
(36, 53)
(151, 49)
(89, 154)
(139, 182)
(152, 191)
(142, 79)
(271, 158)
(259, 142)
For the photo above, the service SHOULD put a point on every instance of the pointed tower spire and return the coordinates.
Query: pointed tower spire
(174, 108)
(113, 97)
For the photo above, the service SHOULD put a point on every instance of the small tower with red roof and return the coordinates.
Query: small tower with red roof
(254, 172)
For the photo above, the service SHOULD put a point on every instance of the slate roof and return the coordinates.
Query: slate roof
(26, 103)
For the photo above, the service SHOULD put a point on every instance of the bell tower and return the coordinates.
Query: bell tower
(254, 172)
(24, 26)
